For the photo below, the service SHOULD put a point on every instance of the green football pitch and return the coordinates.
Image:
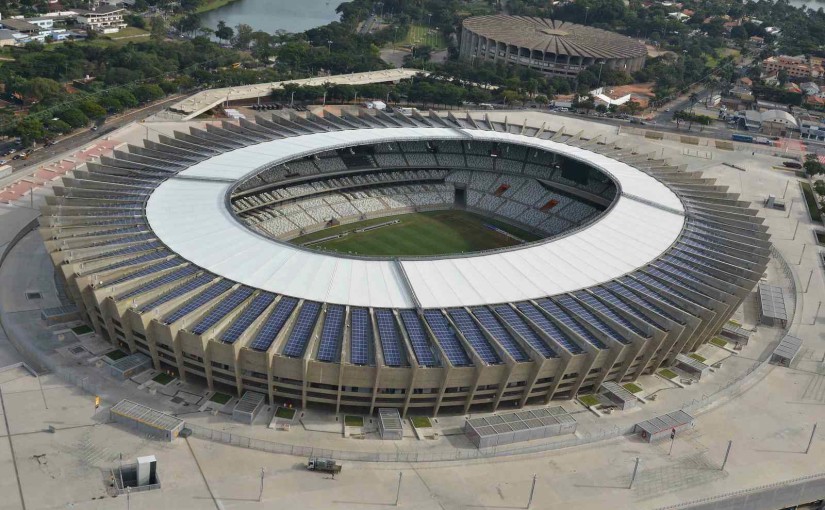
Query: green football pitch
(419, 234)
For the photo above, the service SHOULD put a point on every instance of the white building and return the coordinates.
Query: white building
(104, 19)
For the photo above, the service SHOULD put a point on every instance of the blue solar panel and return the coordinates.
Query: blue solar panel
(590, 318)
(524, 331)
(568, 320)
(673, 281)
(390, 341)
(491, 324)
(548, 326)
(199, 300)
(222, 309)
(446, 337)
(329, 348)
(145, 272)
(651, 294)
(360, 336)
(276, 320)
(137, 260)
(474, 336)
(664, 289)
(418, 338)
(158, 282)
(178, 291)
(247, 317)
(299, 336)
(591, 300)
(613, 299)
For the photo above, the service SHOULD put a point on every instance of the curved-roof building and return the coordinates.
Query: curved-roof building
(546, 45)
(180, 249)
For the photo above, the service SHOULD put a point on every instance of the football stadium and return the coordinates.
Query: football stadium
(429, 263)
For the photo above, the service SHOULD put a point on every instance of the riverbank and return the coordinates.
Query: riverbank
(211, 5)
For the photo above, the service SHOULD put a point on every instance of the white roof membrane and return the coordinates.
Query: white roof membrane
(192, 218)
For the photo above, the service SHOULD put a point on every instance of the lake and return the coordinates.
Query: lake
(272, 15)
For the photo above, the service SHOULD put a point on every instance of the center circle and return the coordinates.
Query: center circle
(422, 198)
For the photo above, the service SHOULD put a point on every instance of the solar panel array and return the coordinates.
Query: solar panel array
(178, 291)
(274, 323)
(247, 317)
(474, 336)
(329, 348)
(446, 338)
(565, 318)
(667, 289)
(222, 309)
(199, 300)
(674, 281)
(539, 319)
(299, 336)
(599, 305)
(590, 318)
(360, 336)
(158, 282)
(613, 298)
(132, 262)
(390, 340)
(502, 336)
(525, 331)
(418, 338)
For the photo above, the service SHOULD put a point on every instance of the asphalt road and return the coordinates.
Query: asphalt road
(80, 138)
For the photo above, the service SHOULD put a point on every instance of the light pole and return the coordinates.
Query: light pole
(599, 82)
(586, 12)
(261, 493)
(398, 491)
(532, 491)
(329, 47)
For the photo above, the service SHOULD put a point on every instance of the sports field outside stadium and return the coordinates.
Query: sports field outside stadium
(419, 234)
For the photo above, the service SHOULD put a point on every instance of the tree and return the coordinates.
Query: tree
(159, 28)
(224, 33)
(694, 98)
(189, 23)
(812, 165)
(632, 107)
(148, 92)
(39, 89)
(92, 110)
(243, 36)
(57, 126)
(30, 129)
(73, 117)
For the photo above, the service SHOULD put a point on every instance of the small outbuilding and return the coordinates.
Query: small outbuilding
(772, 310)
(691, 365)
(389, 424)
(786, 351)
(619, 395)
(248, 407)
(735, 334)
(501, 429)
(146, 420)
(130, 365)
(663, 426)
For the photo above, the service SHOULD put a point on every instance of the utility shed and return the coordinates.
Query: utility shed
(145, 419)
(501, 429)
(389, 424)
(785, 352)
(248, 407)
(772, 311)
(691, 365)
(619, 395)
(662, 426)
(735, 334)
(133, 364)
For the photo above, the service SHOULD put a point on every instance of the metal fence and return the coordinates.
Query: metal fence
(796, 491)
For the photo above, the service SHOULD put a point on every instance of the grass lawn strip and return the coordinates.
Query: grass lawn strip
(285, 413)
(421, 422)
(699, 358)
(163, 379)
(353, 421)
(220, 398)
(115, 355)
(82, 329)
(668, 374)
(588, 400)
(633, 388)
(810, 201)
(718, 342)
